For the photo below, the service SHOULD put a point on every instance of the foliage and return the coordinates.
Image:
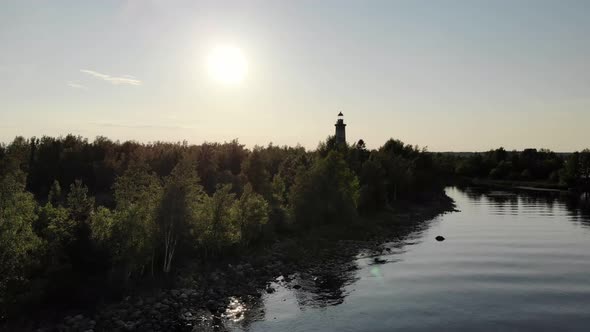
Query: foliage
(251, 212)
(218, 227)
(178, 210)
(76, 215)
(79, 203)
(326, 193)
(499, 164)
(17, 239)
(130, 231)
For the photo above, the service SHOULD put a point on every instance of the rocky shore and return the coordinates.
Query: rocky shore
(205, 297)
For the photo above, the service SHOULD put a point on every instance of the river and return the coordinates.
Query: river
(510, 262)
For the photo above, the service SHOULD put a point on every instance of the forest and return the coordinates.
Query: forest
(537, 167)
(82, 219)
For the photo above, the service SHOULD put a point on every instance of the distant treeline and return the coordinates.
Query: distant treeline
(78, 218)
(571, 170)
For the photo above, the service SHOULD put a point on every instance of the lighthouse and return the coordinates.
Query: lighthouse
(340, 130)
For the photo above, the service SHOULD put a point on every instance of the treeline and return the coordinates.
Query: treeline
(78, 218)
(571, 170)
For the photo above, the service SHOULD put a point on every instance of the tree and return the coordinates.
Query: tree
(17, 239)
(585, 164)
(329, 145)
(103, 223)
(131, 232)
(254, 167)
(279, 202)
(216, 223)
(327, 193)
(207, 166)
(250, 214)
(56, 225)
(373, 192)
(79, 203)
(570, 174)
(398, 174)
(177, 214)
(54, 196)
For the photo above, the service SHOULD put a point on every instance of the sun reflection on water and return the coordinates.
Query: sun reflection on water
(235, 310)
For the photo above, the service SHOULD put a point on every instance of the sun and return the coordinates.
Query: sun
(227, 64)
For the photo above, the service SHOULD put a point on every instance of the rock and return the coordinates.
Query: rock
(378, 260)
(136, 314)
(270, 290)
(440, 238)
(121, 324)
(296, 286)
(212, 305)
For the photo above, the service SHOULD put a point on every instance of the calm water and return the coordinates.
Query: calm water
(510, 262)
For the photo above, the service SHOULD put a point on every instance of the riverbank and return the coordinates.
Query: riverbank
(502, 251)
(203, 296)
(520, 185)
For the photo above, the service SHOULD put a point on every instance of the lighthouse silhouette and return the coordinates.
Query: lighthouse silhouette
(340, 130)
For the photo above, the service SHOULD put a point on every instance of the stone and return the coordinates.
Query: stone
(212, 305)
(378, 260)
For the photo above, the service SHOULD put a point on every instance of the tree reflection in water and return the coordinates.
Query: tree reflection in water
(325, 284)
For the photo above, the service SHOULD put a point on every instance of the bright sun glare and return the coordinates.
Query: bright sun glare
(227, 64)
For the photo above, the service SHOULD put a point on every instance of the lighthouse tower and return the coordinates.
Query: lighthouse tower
(340, 130)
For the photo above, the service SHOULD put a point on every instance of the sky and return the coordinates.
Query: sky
(448, 75)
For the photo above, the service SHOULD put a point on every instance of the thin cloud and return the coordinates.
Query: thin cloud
(76, 85)
(140, 126)
(125, 79)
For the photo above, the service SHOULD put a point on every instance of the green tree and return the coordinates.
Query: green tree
(373, 191)
(570, 174)
(255, 169)
(17, 239)
(56, 225)
(251, 212)
(279, 202)
(54, 196)
(131, 231)
(216, 220)
(103, 224)
(79, 203)
(179, 209)
(327, 193)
